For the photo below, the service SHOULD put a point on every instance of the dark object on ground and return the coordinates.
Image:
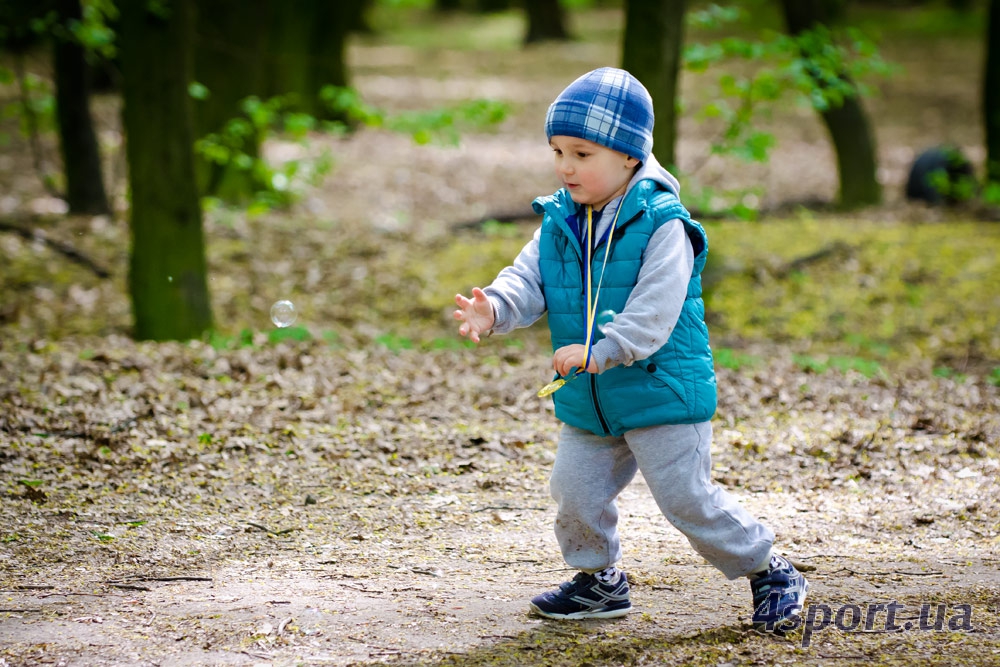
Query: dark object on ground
(941, 175)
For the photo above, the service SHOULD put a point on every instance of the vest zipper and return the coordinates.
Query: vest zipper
(597, 404)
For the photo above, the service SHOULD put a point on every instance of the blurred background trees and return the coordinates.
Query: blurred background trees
(204, 83)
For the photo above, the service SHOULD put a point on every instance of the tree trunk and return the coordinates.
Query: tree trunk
(308, 38)
(230, 36)
(651, 51)
(356, 16)
(546, 21)
(847, 124)
(77, 141)
(167, 270)
(991, 94)
(489, 6)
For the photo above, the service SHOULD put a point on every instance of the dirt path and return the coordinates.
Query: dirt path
(457, 593)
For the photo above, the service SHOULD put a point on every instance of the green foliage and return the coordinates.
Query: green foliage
(235, 145)
(445, 125)
(442, 125)
(39, 98)
(821, 67)
(737, 203)
(94, 31)
(960, 188)
(991, 193)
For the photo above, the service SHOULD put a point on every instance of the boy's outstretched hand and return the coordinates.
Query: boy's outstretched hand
(476, 314)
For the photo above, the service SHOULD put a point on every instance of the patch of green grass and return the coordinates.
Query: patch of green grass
(950, 373)
(394, 342)
(823, 364)
(289, 333)
(734, 360)
(221, 341)
(443, 343)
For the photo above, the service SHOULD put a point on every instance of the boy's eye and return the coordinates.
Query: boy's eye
(582, 155)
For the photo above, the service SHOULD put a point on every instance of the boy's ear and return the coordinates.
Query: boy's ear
(630, 162)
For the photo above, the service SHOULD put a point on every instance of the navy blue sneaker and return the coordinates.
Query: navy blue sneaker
(585, 597)
(779, 596)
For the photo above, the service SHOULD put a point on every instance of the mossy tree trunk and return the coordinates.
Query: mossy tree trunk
(167, 269)
(847, 124)
(991, 94)
(77, 141)
(651, 51)
(546, 21)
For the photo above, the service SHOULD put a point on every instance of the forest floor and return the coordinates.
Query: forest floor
(345, 509)
(364, 490)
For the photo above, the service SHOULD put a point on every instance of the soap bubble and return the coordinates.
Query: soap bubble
(605, 318)
(283, 313)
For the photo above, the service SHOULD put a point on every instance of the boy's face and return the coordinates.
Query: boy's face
(592, 173)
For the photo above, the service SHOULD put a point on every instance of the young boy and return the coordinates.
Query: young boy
(616, 238)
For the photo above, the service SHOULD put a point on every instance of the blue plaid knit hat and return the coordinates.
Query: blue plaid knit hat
(607, 106)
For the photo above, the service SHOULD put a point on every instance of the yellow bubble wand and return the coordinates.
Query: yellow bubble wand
(560, 382)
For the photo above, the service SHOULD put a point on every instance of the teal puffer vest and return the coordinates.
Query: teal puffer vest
(676, 385)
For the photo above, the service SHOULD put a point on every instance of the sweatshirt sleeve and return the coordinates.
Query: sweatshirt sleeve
(516, 293)
(653, 308)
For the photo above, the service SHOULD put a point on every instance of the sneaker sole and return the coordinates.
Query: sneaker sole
(581, 615)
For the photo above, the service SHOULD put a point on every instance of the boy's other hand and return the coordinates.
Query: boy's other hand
(570, 357)
(476, 314)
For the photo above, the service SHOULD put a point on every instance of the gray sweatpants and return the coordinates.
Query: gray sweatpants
(591, 470)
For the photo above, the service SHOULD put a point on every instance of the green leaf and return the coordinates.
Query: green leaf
(198, 90)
